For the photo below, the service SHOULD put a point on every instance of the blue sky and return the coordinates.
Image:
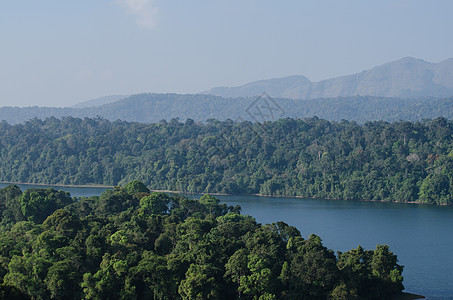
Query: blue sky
(59, 53)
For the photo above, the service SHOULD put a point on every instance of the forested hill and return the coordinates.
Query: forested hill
(129, 243)
(149, 108)
(400, 161)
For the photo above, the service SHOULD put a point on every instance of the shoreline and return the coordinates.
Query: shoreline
(192, 193)
(62, 185)
(219, 194)
(337, 199)
(299, 197)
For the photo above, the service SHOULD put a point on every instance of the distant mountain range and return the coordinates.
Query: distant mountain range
(407, 89)
(150, 108)
(99, 101)
(407, 77)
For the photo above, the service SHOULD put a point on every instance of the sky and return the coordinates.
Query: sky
(60, 53)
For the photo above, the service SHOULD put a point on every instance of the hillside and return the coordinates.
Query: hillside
(399, 161)
(99, 101)
(407, 77)
(148, 108)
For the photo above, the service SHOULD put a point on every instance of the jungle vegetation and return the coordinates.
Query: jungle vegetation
(129, 243)
(401, 161)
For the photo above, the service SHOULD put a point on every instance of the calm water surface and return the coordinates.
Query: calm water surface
(420, 235)
(75, 191)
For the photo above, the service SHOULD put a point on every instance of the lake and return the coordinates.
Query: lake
(420, 235)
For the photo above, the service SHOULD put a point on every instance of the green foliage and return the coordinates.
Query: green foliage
(11, 293)
(61, 221)
(151, 276)
(136, 186)
(156, 203)
(437, 187)
(10, 210)
(376, 272)
(37, 204)
(136, 245)
(62, 280)
(200, 283)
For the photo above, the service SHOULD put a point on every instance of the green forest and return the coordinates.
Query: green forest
(400, 161)
(129, 243)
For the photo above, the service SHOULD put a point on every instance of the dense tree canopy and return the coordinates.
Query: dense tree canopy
(132, 244)
(401, 161)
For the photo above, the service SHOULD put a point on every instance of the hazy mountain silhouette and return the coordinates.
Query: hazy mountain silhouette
(99, 101)
(148, 108)
(406, 89)
(407, 77)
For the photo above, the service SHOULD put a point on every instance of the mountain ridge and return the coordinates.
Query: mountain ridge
(404, 78)
(99, 101)
(152, 108)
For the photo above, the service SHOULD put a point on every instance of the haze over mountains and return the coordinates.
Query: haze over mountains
(407, 89)
(407, 77)
(151, 108)
(99, 101)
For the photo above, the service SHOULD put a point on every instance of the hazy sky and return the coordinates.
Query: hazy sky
(59, 53)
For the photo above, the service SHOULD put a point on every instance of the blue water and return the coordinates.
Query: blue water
(420, 235)
(75, 191)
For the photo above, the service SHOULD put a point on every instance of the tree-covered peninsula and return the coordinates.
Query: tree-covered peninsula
(400, 161)
(129, 243)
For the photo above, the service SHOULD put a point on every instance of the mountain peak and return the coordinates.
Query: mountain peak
(410, 59)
